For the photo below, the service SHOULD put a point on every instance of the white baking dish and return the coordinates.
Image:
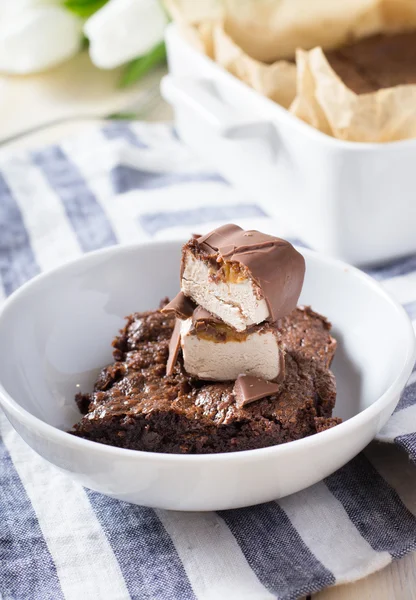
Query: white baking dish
(353, 200)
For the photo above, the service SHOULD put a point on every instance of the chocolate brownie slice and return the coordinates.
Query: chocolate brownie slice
(135, 405)
(376, 62)
(322, 423)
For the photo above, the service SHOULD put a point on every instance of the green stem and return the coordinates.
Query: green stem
(138, 67)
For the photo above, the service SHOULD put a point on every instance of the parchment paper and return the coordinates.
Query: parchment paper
(326, 103)
(203, 24)
(269, 30)
(276, 81)
(255, 39)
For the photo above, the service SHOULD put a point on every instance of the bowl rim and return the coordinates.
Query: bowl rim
(64, 438)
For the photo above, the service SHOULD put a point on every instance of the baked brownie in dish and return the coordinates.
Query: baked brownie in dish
(376, 62)
(136, 405)
(229, 364)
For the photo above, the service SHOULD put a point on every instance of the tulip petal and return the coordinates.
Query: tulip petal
(37, 38)
(123, 30)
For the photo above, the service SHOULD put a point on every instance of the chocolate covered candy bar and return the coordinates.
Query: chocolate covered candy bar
(215, 351)
(242, 277)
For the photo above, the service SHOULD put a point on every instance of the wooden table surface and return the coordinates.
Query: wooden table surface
(72, 108)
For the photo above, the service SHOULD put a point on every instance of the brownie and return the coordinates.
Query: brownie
(135, 405)
(323, 423)
(376, 62)
(306, 334)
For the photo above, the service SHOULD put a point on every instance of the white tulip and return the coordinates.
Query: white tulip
(124, 29)
(36, 35)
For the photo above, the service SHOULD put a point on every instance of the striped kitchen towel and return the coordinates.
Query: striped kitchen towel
(131, 182)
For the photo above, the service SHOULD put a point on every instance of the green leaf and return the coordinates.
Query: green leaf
(134, 70)
(123, 116)
(84, 8)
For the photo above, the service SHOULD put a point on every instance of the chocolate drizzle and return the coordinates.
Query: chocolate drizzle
(274, 264)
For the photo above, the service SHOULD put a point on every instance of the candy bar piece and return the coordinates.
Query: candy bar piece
(215, 351)
(181, 306)
(248, 389)
(242, 277)
(174, 347)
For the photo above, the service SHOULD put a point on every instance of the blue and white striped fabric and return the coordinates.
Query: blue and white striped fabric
(132, 182)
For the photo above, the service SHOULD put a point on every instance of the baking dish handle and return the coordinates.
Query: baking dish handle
(200, 96)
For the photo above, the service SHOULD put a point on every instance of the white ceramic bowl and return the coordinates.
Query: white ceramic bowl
(56, 332)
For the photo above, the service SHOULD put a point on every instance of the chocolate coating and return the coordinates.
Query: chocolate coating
(200, 315)
(181, 306)
(174, 347)
(273, 264)
(249, 389)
